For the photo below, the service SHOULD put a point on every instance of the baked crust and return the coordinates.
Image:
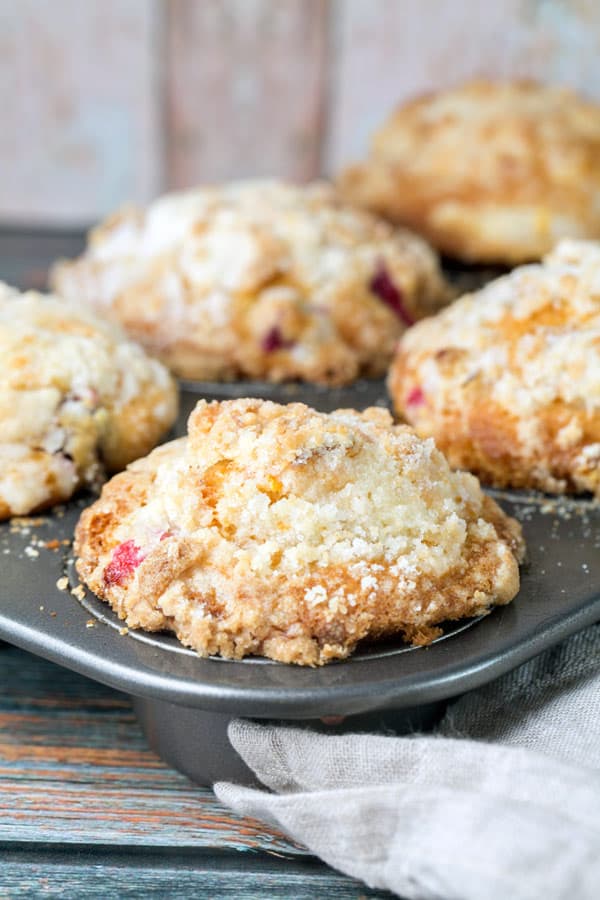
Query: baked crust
(258, 280)
(507, 380)
(280, 531)
(488, 172)
(76, 399)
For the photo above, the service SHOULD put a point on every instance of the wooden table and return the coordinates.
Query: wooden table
(87, 810)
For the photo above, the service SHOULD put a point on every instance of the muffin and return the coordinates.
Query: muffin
(488, 172)
(258, 280)
(76, 399)
(507, 380)
(280, 531)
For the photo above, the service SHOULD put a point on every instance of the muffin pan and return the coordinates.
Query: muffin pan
(185, 703)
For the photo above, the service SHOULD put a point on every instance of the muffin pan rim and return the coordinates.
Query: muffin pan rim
(36, 615)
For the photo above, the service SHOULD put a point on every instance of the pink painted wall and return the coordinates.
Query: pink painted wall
(111, 101)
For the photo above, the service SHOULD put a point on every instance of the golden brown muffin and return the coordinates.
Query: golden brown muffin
(281, 531)
(487, 172)
(76, 398)
(260, 280)
(507, 380)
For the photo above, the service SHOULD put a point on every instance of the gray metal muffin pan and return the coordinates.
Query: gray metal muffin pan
(185, 703)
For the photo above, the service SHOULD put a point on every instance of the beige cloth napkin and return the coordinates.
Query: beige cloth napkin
(501, 803)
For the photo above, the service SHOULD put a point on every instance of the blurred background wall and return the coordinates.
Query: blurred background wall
(111, 101)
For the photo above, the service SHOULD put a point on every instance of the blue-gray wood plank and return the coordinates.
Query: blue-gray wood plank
(87, 810)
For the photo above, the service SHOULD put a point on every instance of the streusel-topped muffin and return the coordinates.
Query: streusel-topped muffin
(507, 380)
(258, 279)
(280, 531)
(76, 398)
(488, 172)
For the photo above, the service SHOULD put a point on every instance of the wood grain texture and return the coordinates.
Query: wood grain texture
(157, 884)
(87, 810)
(246, 89)
(393, 49)
(81, 108)
(108, 102)
(75, 767)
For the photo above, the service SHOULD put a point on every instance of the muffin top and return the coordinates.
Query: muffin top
(76, 397)
(258, 279)
(281, 531)
(507, 380)
(488, 172)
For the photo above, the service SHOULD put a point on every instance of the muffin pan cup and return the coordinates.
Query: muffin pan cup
(184, 702)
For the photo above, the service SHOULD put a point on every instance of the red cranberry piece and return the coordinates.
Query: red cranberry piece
(382, 285)
(416, 397)
(125, 560)
(274, 340)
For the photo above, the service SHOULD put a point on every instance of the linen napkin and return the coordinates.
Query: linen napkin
(502, 801)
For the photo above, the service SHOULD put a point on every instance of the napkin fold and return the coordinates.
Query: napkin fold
(502, 800)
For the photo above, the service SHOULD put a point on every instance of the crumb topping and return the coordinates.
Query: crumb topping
(512, 374)
(487, 171)
(66, 378)
(259, 278)
(289, 520)
(533, 335)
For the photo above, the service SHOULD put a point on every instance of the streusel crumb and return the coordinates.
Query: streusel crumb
(507, 380)
(260, 280)
(288, 533)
